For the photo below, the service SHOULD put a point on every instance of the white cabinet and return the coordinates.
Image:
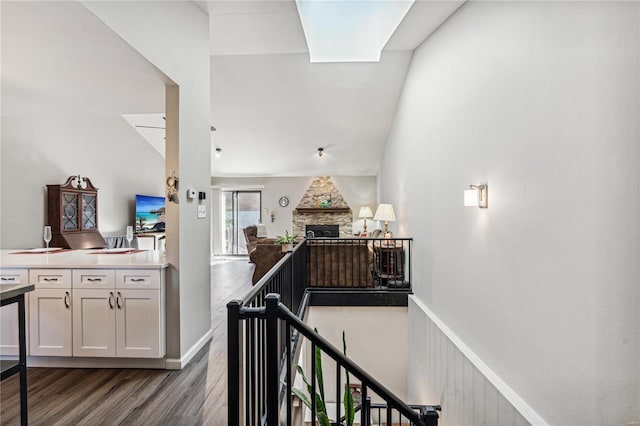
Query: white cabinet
(50, 322)
(138, 331)
(9, 313)
(94, 315)
(50, 312)
(123, 317)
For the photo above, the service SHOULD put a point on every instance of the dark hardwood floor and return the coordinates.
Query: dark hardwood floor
(195, 395)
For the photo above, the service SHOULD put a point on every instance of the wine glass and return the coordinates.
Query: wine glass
(47, 235)
(129, 236)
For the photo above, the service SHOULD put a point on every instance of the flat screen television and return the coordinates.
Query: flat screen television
(149, 213)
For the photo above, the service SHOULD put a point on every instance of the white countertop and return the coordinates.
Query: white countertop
(148, 259)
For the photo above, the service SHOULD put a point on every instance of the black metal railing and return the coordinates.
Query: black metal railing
(268, 386)
(359, 263)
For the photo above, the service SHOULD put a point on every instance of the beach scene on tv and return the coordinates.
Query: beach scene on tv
(149, 213)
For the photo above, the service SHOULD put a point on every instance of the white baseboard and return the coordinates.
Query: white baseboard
(179, 364)
(86, 362)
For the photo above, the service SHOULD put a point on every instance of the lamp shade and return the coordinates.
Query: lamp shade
(385, 212)
(365, 212)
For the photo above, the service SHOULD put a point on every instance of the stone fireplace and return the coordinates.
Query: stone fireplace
(322, 204)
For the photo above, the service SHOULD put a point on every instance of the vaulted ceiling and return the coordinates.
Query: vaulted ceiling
(272, 108)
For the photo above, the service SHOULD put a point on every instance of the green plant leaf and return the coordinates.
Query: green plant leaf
(319, 373)
(349, 408)
(302, 396)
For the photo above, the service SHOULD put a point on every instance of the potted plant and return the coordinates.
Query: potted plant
(286, 241)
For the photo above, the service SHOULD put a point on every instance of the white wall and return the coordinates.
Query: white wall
(61, 106)
(357, 191)
(541, 101)
(174, 36)
(376, 340)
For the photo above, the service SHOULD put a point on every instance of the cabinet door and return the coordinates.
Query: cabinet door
(50, 322)
(94, 332)
(89, 211)
(138, 324)
(70, 215)
(9, 342)
(9, 313)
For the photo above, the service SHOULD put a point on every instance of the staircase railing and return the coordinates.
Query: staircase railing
(263, 334)
(270, 376)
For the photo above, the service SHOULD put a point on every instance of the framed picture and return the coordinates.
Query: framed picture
(323, 200)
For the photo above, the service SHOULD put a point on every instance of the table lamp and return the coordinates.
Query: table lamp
(365, 212)
(385, 212)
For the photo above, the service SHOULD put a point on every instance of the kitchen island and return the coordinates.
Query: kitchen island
(90, 308)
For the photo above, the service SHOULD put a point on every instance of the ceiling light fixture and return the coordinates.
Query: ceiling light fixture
(218, 152)
(320, 151)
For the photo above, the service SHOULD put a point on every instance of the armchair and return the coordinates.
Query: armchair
(252, 238)
(265, 255)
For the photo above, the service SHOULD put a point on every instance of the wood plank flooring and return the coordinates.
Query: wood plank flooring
(195, 395)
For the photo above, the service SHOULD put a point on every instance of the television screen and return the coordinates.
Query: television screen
(149, 213)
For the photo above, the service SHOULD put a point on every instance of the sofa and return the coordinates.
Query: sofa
(339, 263)
(265, 255)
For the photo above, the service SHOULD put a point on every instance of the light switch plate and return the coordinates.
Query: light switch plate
(202, 211)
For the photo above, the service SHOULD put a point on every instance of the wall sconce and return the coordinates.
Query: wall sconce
(218, 152)
(320, 151)
(273, 215)
(476, 196)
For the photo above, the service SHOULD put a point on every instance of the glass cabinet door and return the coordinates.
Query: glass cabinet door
(70, 211)
(89, 211)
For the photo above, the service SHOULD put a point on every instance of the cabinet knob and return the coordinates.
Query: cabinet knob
(118, 298)
(50, 279)
(111, 300)
(66, 300)
(8, 279)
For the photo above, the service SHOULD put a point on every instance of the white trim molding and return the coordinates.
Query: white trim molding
(470, 392)
(179, 364)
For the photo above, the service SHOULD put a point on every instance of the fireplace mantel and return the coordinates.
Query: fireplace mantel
(323, 210)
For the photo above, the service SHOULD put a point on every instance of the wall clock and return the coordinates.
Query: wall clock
(283, 201)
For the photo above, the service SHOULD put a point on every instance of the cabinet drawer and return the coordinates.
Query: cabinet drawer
(50, 278)
(138, 279)
(14, 276)
(93, 278)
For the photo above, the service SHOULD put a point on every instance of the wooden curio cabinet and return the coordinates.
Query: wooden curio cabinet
(73, 214)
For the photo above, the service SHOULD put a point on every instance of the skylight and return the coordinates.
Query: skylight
(348, 30)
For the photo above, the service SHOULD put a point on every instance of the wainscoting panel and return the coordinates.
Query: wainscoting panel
(443, 370)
